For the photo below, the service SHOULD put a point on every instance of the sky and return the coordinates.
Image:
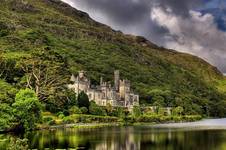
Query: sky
(197, 27)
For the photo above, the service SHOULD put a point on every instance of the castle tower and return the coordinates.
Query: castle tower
(124, 88)
(116, 79)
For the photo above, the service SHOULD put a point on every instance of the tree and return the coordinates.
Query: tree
(83, 100)
(158, 101)
(74, 110)
(119, 112)
(71, 100)
(27, 109)
(46, 73)
(178, 110)
(7, 92)
(109, 108)
(6, 117)
(84, 110)
(136, 111)
(94, 109)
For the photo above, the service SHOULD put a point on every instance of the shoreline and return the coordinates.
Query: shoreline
(128, 121)
(81, 126)
(154, 124)
(101, 125)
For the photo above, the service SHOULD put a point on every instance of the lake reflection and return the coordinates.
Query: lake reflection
(131, 138)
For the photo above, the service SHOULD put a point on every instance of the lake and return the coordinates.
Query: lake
(202, 135)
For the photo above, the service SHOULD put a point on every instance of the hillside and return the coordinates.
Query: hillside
(42, 42)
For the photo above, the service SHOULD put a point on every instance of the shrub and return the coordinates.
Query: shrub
(118, 112)
(89, 119)
(178, 110)
(74, 110)
(149, 118)
(6, 117)
(84, 110)
(51, 122)
(61, 115)
(47, 119)
(70, 119)
(17, 144)
(96, 110)
(136, 111)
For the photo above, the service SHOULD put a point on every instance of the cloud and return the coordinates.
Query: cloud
(175, 24)
(197, 34)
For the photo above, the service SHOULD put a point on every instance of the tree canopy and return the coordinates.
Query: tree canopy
(83, 100)
(27, 109)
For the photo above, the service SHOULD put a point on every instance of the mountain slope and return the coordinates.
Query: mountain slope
(43, 42)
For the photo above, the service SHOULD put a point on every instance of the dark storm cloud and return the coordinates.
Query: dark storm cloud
(129, 11)
(130, 16)
(125, 11)
(170, 23)
(122, 11)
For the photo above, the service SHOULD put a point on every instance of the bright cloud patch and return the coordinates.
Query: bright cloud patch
(197, 34)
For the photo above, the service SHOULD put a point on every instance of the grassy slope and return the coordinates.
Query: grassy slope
(31, 25)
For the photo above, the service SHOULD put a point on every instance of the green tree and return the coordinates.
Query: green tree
(6, 117)
(71, 99)
(27, 109)
(84, 110)
(46, 73)
(83, 100)
(178, 110)
(119, 112)
(74, 110)
(7, 92)
(109, 109)
(94, 109)
(136, 111)
(158, 101)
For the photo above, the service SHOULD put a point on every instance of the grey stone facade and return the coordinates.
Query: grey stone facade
(118, 95)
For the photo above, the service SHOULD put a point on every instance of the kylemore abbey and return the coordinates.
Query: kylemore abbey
(120, 95)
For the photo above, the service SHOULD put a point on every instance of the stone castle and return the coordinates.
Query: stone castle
(119, 95)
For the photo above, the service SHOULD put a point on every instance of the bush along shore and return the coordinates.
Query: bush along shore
(92, 121)
(28, 113)
(89, 114)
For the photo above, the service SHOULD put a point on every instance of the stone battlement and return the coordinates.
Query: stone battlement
(117, 95)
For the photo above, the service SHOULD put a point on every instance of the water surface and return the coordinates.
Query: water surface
(202, 135)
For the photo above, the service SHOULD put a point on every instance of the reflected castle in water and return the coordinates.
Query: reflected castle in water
(119, 95)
